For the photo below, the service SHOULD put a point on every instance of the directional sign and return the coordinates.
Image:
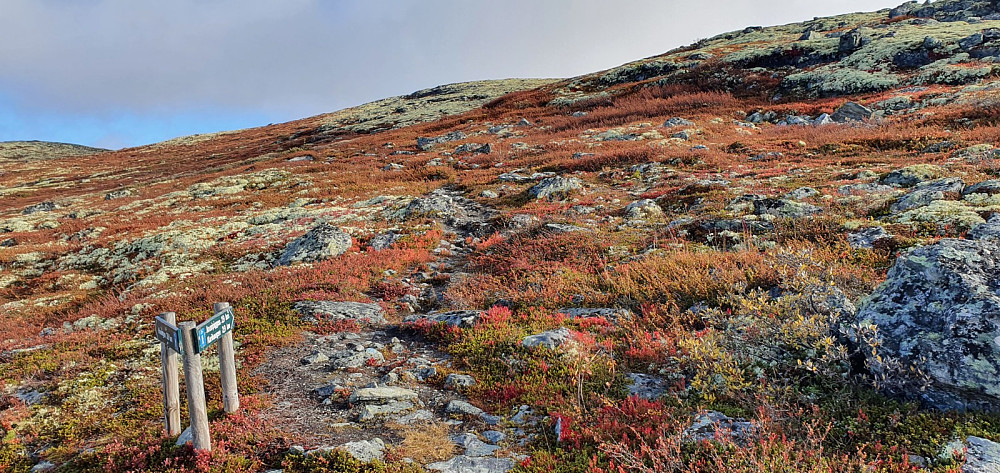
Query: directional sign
(211, 330)
(168, 334)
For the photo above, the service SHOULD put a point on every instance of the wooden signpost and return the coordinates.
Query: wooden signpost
(191, 339)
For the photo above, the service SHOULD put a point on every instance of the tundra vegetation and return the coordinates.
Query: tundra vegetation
(682, 264)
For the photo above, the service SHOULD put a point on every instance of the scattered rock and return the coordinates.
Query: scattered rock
(646, 386)
(459, 382)
(852, 111)
(986, 187)
(462, 408)
(8, 243)
(473, 446)
(365, 450)
(643, 209)
(314, 358)
(989, 231)
(455, 210)
(118, 194)
(913, 175)
(781, 208)
(555, 188)
(337, 311)
(427, 144)
(40, 207)
(677, 121)
(937, 311)
(867, 238)
(457, 318)
(551, 339)
(474, 148)
(711, 424)
(322, 242)
(384, 241)
(802, 193)
(927, 192)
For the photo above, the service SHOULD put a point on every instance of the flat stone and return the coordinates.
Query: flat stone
(414, 417)
(322, 242)
(467, 464)
(473, 446)
(551, 339)
(383, 395)
(462, 408)
(374, 411)
(981, 456)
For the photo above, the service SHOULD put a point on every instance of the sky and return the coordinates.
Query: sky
(120, 73)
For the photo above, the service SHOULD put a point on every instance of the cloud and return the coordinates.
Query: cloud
(295, 58)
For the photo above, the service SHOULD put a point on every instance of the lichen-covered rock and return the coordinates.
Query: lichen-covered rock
(987, 231)
(938, 311)
(384, 395)
(365, 450)
(338, 311)
(928, 192)
(427, 144)
(324, 241)
(557, 187)
(943, 213)
(781, 208)
(867, 238)
(712, 424)
(802, 193)
(981, 456)
(643, 209)
(913, 175)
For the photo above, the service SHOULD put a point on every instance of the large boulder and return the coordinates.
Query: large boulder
(939, 312)
(324, 241)
(851, 111)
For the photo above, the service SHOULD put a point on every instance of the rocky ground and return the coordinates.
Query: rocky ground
(772, 250)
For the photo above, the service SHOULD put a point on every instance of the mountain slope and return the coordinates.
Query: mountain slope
(773, 250)
(42, 150)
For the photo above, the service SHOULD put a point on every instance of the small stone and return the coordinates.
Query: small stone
(315, 357)
(555, 188)
(459, 382)
(551, 339)
(643, 209)
(462, 408)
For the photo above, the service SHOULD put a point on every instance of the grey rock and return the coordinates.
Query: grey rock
(454, 209)
(554, 188)
(467, 464)
(29, 397)
(474, 148)
(971, 41)
(372, 412)
(43, 466)
(415, 417)
(365, 450)
(709, 425)
(393, 167)
(986, 187)
(588, 312)
(462, 408)
(981, 456)
(473, 446)
(853, 40)
(564, 228)
(616, 135)
(314, 357)
(939, 147)
(459, 382)
(383, 395)
(828, 300)
(937, 311)
(762, 205)
(643, 209)
(802, 193)
(809, 35)
(647, 386)
(322, 242)
(489, 194)
(457, 318)
(852, 111)
(40, 207)
(912, 175)
(867, 238)
(384, 241)
(551, 339)
(987, 231)
(339, 311)
(677, 121)
(865, 189)
(823, 119)
(927, 192)
(494, 436)
(427, 144)
(118, 194)
(185, 437)
(347, 359)
(7, 243)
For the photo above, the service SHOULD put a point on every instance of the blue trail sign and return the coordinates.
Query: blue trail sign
(212, 330)
(167, 333)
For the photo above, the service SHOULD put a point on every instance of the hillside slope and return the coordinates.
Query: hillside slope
(42, 150)
(773, 250)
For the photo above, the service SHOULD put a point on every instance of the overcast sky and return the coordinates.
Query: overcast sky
(115, 73)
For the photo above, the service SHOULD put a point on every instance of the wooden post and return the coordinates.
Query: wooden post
(171, 384)
(227, 367)
(195, 389)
